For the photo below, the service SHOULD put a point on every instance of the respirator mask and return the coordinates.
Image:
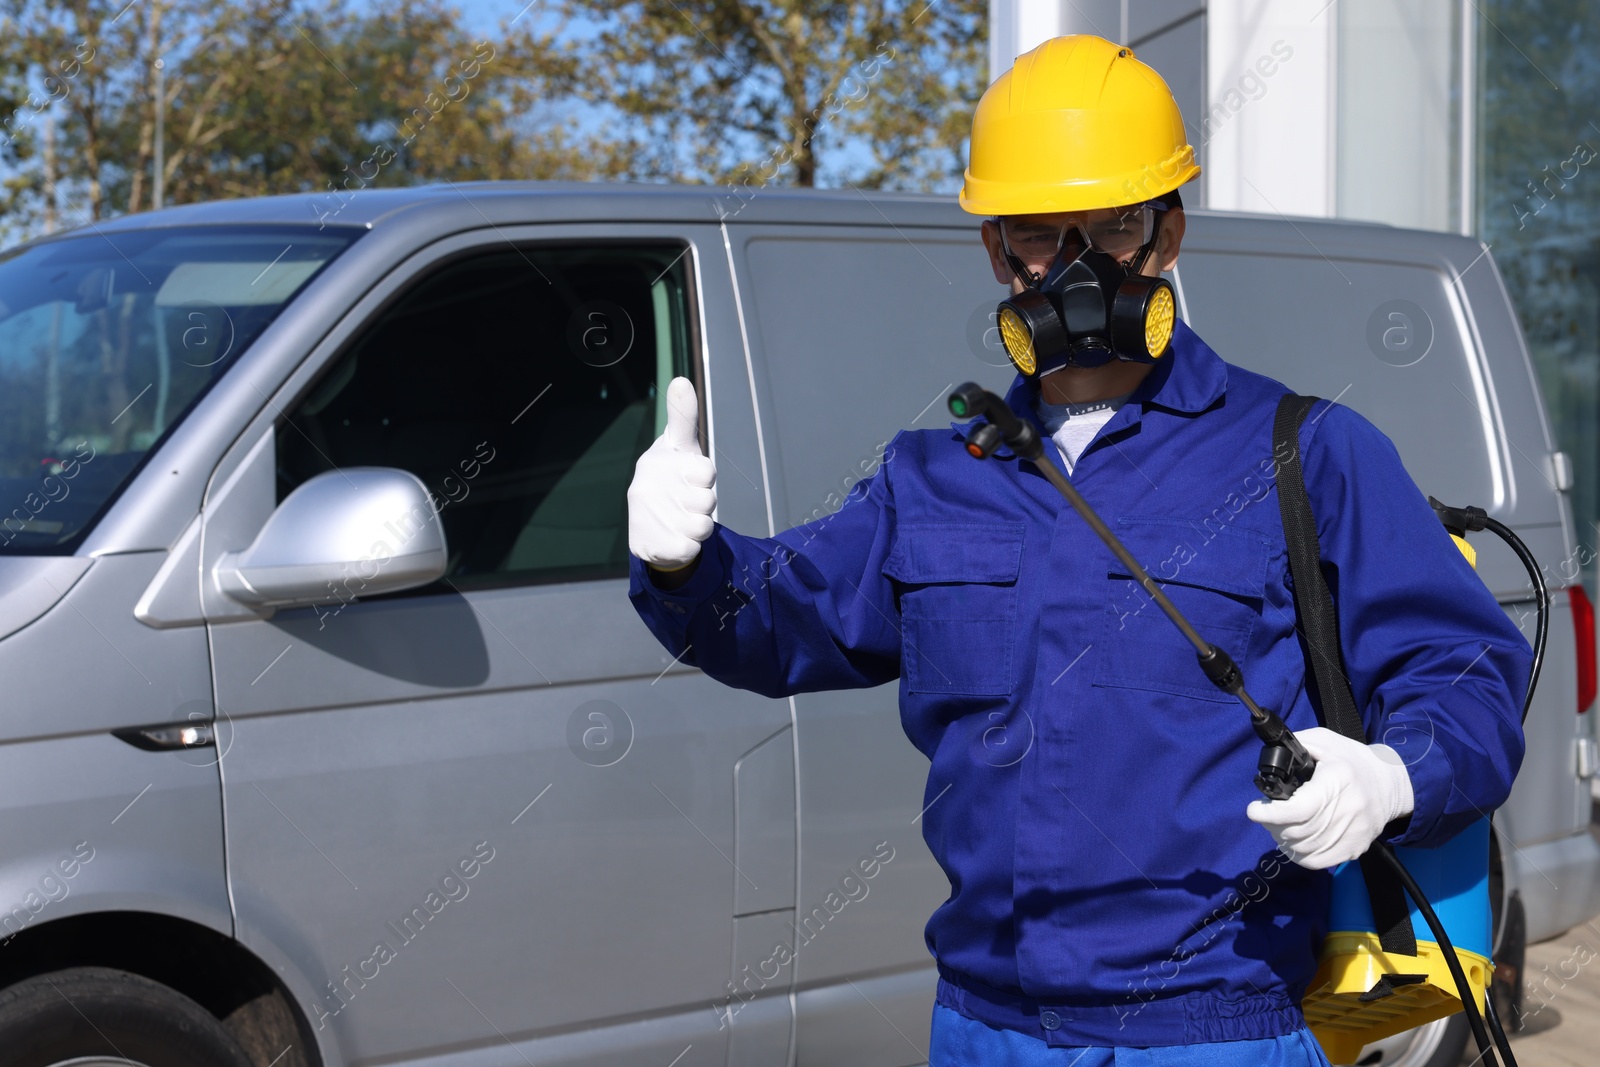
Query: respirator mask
(1087, 308)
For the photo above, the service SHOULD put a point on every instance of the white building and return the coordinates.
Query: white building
(1288, 102)
(1479, 117)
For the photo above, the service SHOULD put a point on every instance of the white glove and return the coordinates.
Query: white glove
(1354, 792)
(672, 495)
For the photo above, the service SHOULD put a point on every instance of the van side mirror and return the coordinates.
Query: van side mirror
(357, 531)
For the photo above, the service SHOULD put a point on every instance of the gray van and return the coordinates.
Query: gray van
(294, 774)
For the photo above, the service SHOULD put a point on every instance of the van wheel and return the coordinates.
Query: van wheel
(1441, 1043)
(99, 1017)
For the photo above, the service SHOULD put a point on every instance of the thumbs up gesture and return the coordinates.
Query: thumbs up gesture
(672, 495)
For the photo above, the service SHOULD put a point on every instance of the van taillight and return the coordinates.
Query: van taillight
(1583, 626)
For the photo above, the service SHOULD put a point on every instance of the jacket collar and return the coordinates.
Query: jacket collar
(1190, 379)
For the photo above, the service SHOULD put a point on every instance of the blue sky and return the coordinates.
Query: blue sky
(484, 17)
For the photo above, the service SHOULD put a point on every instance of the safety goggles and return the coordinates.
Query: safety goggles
(1116, 231)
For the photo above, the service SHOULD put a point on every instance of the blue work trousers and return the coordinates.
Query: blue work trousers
(958, 1041)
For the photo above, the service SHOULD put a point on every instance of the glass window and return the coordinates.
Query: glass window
(1538, 208)
(108, 339)
(521, 385)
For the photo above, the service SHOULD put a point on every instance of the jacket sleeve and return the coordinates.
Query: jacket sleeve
(804, 611)
(1437, 668)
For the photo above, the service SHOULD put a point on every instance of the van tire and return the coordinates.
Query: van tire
(1451, 1048)
(96, 1011)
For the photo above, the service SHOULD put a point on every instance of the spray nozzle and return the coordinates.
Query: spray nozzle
(1460, 521)
(971, 399)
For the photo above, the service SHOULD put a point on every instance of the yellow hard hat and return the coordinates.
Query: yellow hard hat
(1077, 123)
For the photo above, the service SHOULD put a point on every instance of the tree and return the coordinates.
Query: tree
(96, 62)
(263, 96)
(42, 64)
(257, 97)
(752, 92)
(397, 97)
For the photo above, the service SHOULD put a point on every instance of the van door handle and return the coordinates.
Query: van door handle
(168, 738)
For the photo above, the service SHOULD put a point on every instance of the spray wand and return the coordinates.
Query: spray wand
(1284, 764)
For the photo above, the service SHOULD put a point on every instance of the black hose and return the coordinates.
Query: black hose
(1542, 627)
(1492, 1017)
(974, 399)
(1541, 635)
(1475, 1020)
(1469, 1003)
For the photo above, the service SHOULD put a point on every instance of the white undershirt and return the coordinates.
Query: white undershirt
(1073, 426)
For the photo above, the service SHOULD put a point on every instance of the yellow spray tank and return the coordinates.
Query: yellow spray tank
(1362, 993)
(1364, 989)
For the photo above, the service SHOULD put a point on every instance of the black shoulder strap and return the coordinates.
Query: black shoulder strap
(1317, 616)
(1320, 623)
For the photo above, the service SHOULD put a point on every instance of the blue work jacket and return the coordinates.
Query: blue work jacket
(1087, 789)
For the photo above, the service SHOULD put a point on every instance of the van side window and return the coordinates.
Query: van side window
(520, 384)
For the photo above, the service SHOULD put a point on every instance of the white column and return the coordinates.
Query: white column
(1017, 26)
(1269, 126)
(1398, 116)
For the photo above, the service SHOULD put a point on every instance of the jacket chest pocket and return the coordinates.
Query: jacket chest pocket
(1217, 579)
(957, 589)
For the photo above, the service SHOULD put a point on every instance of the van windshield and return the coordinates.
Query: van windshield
(108, 339)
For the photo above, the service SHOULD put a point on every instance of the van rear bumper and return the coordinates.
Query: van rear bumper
(1559, 881)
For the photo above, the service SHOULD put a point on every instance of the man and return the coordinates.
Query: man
(1116, 885)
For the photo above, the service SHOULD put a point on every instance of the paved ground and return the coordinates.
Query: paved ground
(1562, 1000)
(1563, 1013)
